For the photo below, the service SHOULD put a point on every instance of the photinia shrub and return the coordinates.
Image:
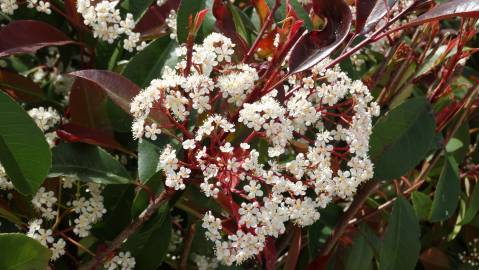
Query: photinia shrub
(262, 134)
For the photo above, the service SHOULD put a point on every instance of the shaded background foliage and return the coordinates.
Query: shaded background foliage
(420, 211)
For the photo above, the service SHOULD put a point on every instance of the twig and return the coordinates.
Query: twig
(356, 205)
(265, 27)
(128, 231)
(76, 243)
(187, 247)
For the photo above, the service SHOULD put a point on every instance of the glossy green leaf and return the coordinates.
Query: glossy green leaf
(24, 152)
(150, 245)
(401, 245)
(186, 12)
(155, 186)
(422, 204)
(472, 207)
(361, 254)
(88, 163)
(20, 252)
(148, 64)
(402, 138)
(137, 7)
(448, 190)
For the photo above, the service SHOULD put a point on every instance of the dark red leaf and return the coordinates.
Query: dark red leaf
(451, 9)
(269, 253)
(152, 23)
(75, 133)
(320, 263)
(118, 88)
(434, 259)
(29, 36)
(313, 47)
(19, 87)
(73, 16)
(225, 23)
(88, 105)
(294, 250)
(370, 12)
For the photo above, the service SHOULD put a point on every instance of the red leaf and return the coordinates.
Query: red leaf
(320, 263)
(73, 16)
(262, 9)
(370, 12)
(294, 250)
(451, 9)
(118, 88)
(29, 36)
(75, 133)
(225, 23)
(313, 47)
(19, 87)
(269, 253)
(434, 259)
(88, 106)
(152, 23)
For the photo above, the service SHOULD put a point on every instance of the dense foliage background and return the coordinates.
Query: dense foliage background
(78, 191)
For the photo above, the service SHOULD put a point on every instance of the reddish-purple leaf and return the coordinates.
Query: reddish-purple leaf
(318, 44)
(370, 12)
(28, 36)
(225, 23)
(294, 250)
(75, 133)
(313, 47)
(88, 106)
(451, 9)
(19, 87)
(152, 23)
(89, 121)
(118, 88)
(269, 253)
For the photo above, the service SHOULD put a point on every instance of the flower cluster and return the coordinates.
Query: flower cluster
(471, 256)
(9, 6)
(5, 184)
(274, 159)
(89, 210)
(123, 261)
(46, 119)
(105, 20)
(45, 237)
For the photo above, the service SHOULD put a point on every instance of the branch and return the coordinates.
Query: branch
(187, 247)
(356, 205)
(128, 231)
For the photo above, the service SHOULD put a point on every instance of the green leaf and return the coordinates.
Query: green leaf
(148, 64)
(155, 186)
(402, 138)
(401, 245)
(148, 157)
(150, 245)
(186, 10)
(473, 206)
(241, 20)
(20, 252)
(361, 254)
(422, 204)
(448, 190)
(24, 152)
(88, 163)
(136, 7)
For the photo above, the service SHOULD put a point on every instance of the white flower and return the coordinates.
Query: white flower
(151, 131)
(253, 189)
(123, 261)
(189, 144)
(58, 249)
(227, 148)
